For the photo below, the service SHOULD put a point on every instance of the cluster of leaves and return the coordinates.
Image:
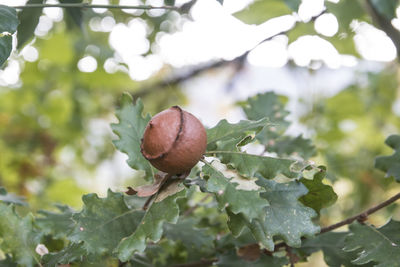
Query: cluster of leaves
(264, 200)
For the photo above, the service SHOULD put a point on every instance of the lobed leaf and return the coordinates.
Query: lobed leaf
(103, 222)
(225, 131)
(18, 236)
(151, 226)
(248, 203)
(292, 146)
(378, 245)
(71, 253)
(248, 165)
(390, 164)
(130, 130)
(267, 105)
(285, 217)
(192, 237)
(331, 244)
(59, 224)
(319, 195)
(10, 198)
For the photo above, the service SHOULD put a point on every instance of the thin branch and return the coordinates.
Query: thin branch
(359, 217)
(385, 25)
(292, 257)
(221, 63)
(86, 5)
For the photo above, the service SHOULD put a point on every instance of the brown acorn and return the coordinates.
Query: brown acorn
(174, 141)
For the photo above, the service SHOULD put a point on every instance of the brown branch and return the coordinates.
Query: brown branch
(238, 60)
(292, 257)
(359, 217)
(385, 25)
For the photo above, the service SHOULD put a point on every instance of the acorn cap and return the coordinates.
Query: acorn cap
(174, 141)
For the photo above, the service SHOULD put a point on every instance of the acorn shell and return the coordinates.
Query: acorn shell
(174, 141)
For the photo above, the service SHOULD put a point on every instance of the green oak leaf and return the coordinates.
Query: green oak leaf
(390, 164)
(151, 226)
(248, 203)
(103, 222)
(10, 198)
(378, 245)
(71, 253)
(8, 25)
(225, 131)
(18, 236)
(29, 19)
(285, 217)
(319, 195)
(267, 105)
(231, 259)
(331, 244)
(8, 19)
(130, 130)
(248, 165)
(58, 224)
(292, 146)
(193, 238)
(283, 199)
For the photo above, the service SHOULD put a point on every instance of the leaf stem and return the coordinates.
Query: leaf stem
(86, 5)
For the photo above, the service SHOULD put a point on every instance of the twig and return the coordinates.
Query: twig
(291, 256)
(148, 201)
(359, 217)
(179, 79)
(86, 5)
(192, 209)
(385, 25)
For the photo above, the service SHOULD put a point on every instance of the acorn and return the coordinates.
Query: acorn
(174, 141)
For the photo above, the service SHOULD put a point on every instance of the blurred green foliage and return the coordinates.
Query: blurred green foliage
(47, 153)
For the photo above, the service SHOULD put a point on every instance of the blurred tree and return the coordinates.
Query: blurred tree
(66, 63)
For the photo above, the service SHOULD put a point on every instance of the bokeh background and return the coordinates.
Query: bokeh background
(334, 64)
